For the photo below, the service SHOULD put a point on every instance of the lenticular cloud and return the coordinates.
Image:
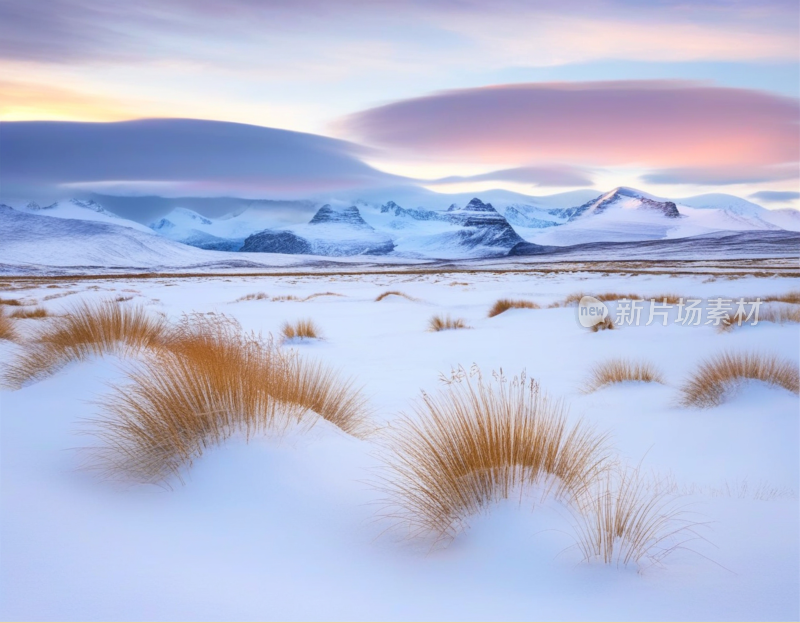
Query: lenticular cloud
(655, 124)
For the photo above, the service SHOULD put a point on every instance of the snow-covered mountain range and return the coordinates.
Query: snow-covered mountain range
(473, 229)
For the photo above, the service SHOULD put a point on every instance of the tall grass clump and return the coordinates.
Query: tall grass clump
(445, 323)
(606, 324)
(620, 371)
(780, 314)
(503, 305)
(623, 519)
(382, 296)
(301, 329)
(318, 294)
(212, 381)
(87, 330)
(789, 297)
(777, 314)
(256, 296)
(477, 442)
(575, 298)
(36, 312)
(7, 331)
(720, 376)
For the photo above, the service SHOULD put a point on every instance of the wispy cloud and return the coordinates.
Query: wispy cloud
(775, 196)
(722, 176)
(536, 176)
(572, 30)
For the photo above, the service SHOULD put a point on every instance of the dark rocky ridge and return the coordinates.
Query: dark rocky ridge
(347, 216)
(330, 232)
(722, 244)
(269, 241)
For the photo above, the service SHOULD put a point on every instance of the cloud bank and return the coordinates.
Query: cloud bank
(178, 156)
(673, 126)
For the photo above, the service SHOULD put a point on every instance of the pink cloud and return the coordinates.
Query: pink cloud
(651, 124)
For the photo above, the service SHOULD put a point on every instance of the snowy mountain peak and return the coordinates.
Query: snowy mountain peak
(347, 216)
(475, 205)
(180, 217)
(628, 199)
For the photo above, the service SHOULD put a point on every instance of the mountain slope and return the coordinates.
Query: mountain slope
(730, 207)
(81, 209)
(37, 239)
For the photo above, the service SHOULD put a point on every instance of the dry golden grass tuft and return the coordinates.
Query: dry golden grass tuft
(477, 442)
(444, 323)
(36, 312)
(778, 314)
(59, 295)
(7, 331)
(620, 371)
(213, 381)
(605, 297)
(616, 296)
(575, 298)
(625, 520)
(89, 329)
(318, 294)
(503, 305)
(380, 297)
(11, 302)
(671, 299)
(604, 325)
(571, 299)
(285, 297)
(788, 297)
(256, 296)
(301, 329)
(718, 377)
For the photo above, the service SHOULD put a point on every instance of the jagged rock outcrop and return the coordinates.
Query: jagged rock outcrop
(483, 225)
(269, 241)
(349, 216)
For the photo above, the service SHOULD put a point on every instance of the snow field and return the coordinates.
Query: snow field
(290, 528)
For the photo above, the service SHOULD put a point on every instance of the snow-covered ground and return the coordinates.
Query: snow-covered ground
(290, 530)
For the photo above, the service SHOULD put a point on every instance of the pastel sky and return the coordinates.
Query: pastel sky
(673, 97)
